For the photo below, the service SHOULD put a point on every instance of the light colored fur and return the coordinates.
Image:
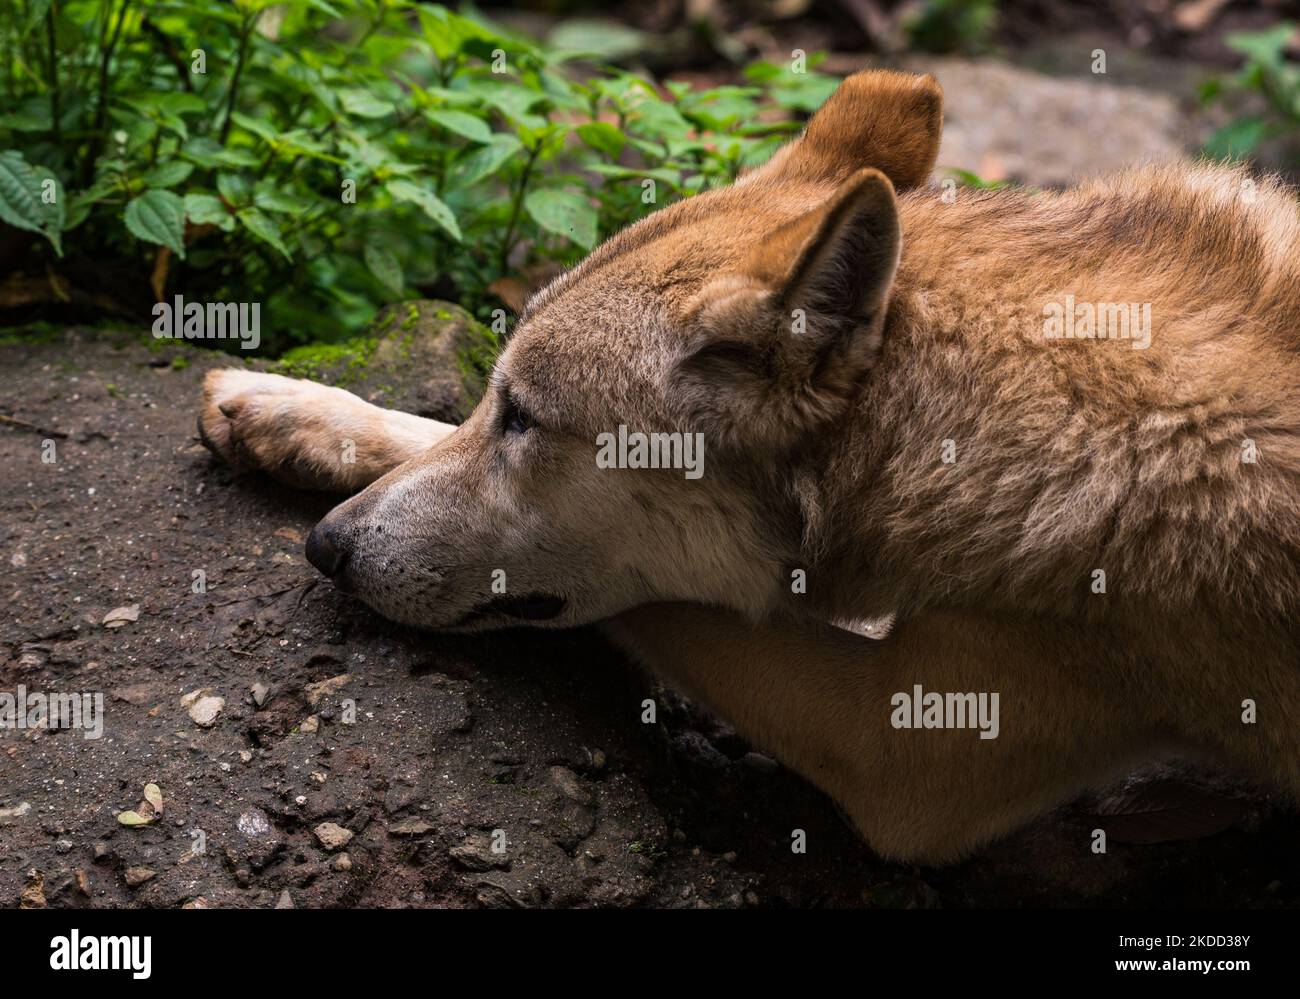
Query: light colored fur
(824, 455)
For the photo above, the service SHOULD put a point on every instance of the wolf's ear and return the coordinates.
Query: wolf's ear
(786, 338)
(876, 118)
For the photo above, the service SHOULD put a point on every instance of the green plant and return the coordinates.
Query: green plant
(325, 157)
(1266, 72)
(951, 25)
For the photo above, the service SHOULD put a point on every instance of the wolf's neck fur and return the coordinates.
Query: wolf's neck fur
(986, 464)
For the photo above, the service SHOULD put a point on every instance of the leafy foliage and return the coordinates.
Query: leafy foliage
(1268, 72)
(325, 157)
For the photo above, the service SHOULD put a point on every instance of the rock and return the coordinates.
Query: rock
(476, 854)
(260, 690)
(204, 710)
(570, 812)
(14, 812)
(332, 836)
(449, 348)
(316, 692)
(33, 896)
(285, 901)
(342, 862)
(310, 725)
(570, 785)
(120, 616)
(253, 823)
(411, 827)
(136, 876)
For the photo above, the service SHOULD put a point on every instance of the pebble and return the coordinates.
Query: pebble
(285, 901)
(136, 876)
(342, 862)
(15, 812)
(332, 836)
(204, 708)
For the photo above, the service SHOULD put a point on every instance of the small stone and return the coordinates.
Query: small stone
(245, 755)
(332, 836)
(204, 711)
(196, 903)
(103, 851)
(569, 785)
(253, 823)
(136, 876)
(285, 900)
(751, 898)
(14, 812)
(63, 846)
(120, 616)
(342, 862)
(411, 827)
(729, 856)
(316, 692)
(33, 896)
(476, 854)
(260, 690)
(310, 725)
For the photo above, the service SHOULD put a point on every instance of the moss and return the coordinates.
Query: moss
(32, 333)
(412, 317)
(346, 360)
(180, 362)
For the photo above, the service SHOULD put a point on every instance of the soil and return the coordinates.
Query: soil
(356, 763)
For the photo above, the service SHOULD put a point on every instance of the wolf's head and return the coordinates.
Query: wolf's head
(647, 432)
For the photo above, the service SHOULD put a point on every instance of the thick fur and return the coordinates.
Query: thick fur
(825, 447)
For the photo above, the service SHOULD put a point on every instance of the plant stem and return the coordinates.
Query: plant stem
(55, 113)
(249, 23)
(507, 244)
(101, 106)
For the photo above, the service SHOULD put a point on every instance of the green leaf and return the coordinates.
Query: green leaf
(609, 40)
(486, 160)
(602, 137)
(564, 213)
(208, 209)
(168, 174)
(364, 104)
(234, 188)
(22, 201)
(158, 217)
(383, 264)
(428, 202)
(474, 129)
(1237, 139)
(209, 153)
(261, 226)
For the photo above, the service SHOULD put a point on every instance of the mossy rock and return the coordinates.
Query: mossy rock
(425, 357)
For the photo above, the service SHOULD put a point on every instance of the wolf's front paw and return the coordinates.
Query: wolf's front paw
(286, 427)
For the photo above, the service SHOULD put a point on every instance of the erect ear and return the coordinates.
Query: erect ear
(783, 342)
(876, 118)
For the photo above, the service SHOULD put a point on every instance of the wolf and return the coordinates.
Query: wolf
(1106, 538)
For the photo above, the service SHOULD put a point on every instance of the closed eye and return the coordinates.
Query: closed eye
(514, 418)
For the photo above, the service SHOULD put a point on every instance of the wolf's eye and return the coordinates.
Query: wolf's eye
(515, 419)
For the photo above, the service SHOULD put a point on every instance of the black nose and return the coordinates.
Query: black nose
(324, 552)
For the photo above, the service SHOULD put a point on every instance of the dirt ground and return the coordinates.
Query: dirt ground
(355, 763)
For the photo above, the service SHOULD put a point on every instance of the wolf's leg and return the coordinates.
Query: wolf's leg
(306, 434)
(822, 700)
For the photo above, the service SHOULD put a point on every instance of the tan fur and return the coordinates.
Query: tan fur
(824, 445)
